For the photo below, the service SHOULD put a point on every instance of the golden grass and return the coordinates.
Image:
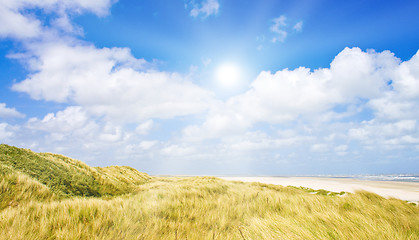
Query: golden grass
(68, 177)
(17, 189)
(49, 196)
(210, 208)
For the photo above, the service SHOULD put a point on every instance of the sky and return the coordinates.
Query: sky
(214, 87)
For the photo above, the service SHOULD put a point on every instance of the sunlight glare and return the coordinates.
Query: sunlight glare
(228, 75)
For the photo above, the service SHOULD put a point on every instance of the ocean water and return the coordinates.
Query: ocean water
(384, 177)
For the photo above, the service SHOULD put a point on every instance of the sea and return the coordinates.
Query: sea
(379, 177)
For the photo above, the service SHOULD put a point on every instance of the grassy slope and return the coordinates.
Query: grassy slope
(46, 176)
(209, 208)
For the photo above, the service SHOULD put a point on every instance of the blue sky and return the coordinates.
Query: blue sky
(214, 86)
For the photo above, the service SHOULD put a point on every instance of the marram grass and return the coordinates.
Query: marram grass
(204, 208)
(66, 177)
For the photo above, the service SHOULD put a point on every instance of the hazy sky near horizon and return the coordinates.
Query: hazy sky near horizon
(212, 87)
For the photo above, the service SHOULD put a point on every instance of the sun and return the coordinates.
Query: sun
(228, 75)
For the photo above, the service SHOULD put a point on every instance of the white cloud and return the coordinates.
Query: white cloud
(72, 120)
(298, 26)
(73, 131)
(320, 147)
(146, 145)
(278, 23)
(17, 23)
(362, 74)
(6, 112)
(394, 106)
(277, 28)
(111, 133)
(287, 133)
(257, 140)
(355, 80)
(144, 127)
(281, 29)
(98, 7)
(341, 150)
(281, 35)
(104, 89)
(406, 78)
(205, 8)
(378, 130)
(288, 94)
(403, 100)
(175, 150)
(123, 89)
(64, 23)
(5, 133)
(300, 102)
(220, 122)
(358, 133)
(390, 135)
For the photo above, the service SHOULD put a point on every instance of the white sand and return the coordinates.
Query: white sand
(408, 191)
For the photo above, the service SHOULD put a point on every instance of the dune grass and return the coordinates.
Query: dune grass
(203, 208)
(18, 189)
(66, 177)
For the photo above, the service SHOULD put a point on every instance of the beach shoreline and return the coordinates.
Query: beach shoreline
(408, 191)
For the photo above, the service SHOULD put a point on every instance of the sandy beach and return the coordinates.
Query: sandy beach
(408, 191)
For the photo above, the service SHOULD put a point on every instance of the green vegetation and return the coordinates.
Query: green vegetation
(26, 175)
(182, 208)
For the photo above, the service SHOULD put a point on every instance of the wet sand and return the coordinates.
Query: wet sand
(408, 191)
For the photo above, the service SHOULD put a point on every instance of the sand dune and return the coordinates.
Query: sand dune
(408, 191)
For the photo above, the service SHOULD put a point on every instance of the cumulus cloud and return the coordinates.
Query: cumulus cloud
(303, 110)
(103, 91)
(204, 8)
(354, 83)
(16, 25)
(124, 89)
(18, 22)
(401, 102)
(386, 134)
(287, 94)
(70, 122)
(74, 132)
(6, 112)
